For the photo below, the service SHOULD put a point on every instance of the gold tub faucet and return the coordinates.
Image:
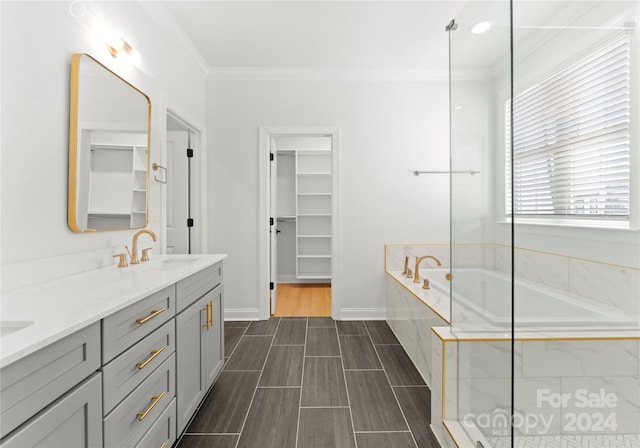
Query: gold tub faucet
(134, 248)
(416, 278)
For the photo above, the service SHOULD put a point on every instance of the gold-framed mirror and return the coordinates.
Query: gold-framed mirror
(109, 136)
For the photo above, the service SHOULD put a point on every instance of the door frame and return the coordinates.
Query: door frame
(198, 182)
(266, 133)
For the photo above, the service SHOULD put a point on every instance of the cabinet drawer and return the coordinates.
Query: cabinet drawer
(32, 383)
(132, 418)
(163, 432)
(128, 370)
(73, 421)
(126, 327)
(192, 288)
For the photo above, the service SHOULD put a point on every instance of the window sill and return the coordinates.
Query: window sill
(571, 223)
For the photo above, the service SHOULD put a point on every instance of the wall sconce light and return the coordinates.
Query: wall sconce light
(119, 47)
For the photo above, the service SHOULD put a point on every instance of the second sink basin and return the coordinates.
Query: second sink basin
(11, 326)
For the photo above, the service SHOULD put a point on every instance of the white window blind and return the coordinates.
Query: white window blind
(571, 140)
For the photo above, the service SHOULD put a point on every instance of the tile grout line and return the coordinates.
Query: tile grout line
(391, 386)
(346, 388)
(324, 407)
(257, 384)
(304, 352)
(381, 432)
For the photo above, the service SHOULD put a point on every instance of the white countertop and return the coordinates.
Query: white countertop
(61, 307)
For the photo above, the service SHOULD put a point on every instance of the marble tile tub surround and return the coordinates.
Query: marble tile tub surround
(608, 284)
(59, 307)
(604, 283)
(477, 382)
(411, 320)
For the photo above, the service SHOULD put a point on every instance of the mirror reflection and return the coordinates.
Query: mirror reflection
(108, 150)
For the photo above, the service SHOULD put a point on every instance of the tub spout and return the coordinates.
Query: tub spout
(416, 277)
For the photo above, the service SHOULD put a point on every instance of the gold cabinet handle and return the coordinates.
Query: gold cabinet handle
(163, 445)
(154, 401)
(208, 310)
(210, 314)
(154, 353)
(151, 315)
(206, 323)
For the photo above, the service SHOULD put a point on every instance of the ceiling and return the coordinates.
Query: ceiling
(365, 35)
(346, 35)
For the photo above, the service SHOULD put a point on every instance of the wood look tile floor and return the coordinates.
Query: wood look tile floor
(313, 383)
(303, 299)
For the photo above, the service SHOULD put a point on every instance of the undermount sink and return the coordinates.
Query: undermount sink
(11, 326)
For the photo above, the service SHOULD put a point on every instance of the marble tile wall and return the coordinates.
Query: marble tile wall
(411, 321)
(612, 285)
(562, 387)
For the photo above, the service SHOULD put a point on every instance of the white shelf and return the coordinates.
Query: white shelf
(305, 181)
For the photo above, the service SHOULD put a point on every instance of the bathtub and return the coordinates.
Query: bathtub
(488, 293)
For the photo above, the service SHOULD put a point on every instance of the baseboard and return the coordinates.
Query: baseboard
(241, 314)
(294, 279)
(362, 314)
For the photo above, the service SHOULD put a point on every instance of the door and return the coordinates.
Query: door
(273, 237)
(182, 157)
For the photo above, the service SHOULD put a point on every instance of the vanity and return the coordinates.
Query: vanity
(111, 357)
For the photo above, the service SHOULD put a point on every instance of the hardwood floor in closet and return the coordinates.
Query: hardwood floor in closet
(303, 300)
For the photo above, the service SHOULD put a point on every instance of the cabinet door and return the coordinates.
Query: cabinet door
(214, 338)
(75, 420)
(190, 380)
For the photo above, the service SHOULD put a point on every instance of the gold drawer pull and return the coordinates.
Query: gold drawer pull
(209, 311)
(153, 314)
(154, 353)
(163, 445)
(154, 401)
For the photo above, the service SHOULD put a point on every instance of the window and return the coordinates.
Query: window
(571, 140)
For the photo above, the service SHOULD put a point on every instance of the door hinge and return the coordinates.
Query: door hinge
(270, 221)
(271, 286)
(189, 152)
(189, 222)
(271, 156)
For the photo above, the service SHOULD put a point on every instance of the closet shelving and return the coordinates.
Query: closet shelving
(311, 198)
(117, 182)
(313, 208)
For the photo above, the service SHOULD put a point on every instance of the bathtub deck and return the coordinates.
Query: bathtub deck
(567, 441)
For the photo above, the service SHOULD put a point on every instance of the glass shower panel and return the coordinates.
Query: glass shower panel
(478, 361)
(576, 253)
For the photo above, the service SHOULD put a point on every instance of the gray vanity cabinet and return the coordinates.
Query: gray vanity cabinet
(74, 420)
(41, 388)
(199, 351)
(138, 359)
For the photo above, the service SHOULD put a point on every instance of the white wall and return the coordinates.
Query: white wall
(38, 39)
(534, 63)
(387, 130)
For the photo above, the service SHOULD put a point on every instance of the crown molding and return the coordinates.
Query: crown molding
(159, 13)
(343, 75)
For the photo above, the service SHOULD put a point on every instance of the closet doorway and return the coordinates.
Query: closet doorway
(182, 225)
(301, 204)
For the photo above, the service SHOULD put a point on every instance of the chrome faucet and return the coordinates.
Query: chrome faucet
(134, 248)
(416, 278)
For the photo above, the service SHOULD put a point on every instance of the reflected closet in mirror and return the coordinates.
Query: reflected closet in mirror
(109, 123)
